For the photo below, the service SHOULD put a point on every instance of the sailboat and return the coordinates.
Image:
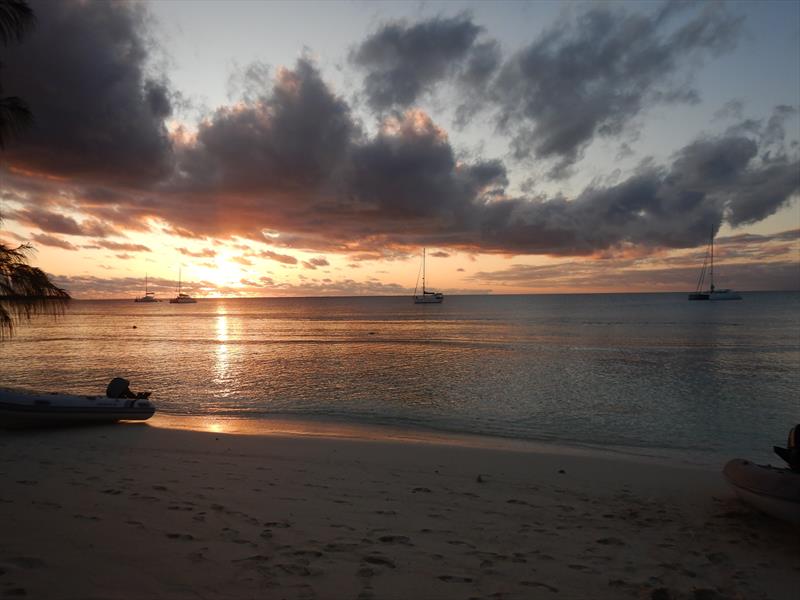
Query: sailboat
(181, 298)
(712, 293)
(426, 297)
(148, 296)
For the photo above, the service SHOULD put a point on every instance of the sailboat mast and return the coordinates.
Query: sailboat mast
(423, 270)
(712, 259)
(145, 284)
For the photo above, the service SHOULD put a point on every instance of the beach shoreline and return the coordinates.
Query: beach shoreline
(155, 511)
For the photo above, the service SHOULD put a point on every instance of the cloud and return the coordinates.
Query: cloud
(315, 262)
(242, 261)
(281, 258)
(294, 136)
(592, 276)
(290, 166)
(403, 61)
(744, 261)
(121, 246)
(593, 74)
(204, 253)
(52, 222)
(50, 240)
(98, 109)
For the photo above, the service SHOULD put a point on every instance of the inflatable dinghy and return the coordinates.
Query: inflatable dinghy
(29, 409)
(769, 489)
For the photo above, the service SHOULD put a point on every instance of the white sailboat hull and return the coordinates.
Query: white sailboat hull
(429, 299)
(724, 295)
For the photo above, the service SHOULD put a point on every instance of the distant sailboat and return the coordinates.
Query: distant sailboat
(148, 296)
(711, 293)
(426, 297)
(181, 298)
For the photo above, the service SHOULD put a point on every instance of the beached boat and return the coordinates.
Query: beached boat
(30, 409)
(426, 297)
(182, 298)
(771, 490)
(148, 296)
(712, 293)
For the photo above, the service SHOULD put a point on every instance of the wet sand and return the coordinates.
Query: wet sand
(137, 511)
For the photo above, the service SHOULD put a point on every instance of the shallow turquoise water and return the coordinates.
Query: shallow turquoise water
(646, 373)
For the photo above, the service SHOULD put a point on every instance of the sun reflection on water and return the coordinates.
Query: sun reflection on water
(221, 362)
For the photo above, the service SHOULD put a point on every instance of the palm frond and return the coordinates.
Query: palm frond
(16, 18)
(25, 291)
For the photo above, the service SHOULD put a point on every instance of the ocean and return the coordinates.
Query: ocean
(644, 374)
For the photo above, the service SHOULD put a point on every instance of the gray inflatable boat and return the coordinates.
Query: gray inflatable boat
(771, 490)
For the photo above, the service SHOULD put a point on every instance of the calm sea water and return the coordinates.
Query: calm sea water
(650, 373)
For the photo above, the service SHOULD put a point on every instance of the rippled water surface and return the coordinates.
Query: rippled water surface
(650, 373)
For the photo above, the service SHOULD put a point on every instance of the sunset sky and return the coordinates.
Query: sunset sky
(272, 149)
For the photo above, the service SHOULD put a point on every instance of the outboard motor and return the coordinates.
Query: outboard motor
(791, 454)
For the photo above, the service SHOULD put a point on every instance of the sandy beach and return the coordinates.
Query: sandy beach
(141, 511)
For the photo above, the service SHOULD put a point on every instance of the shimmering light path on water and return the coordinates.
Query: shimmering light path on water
(648, 373)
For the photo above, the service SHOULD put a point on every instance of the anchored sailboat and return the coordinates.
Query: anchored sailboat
(148, 296)
(181, 298)
(711, 293)
(426, 297)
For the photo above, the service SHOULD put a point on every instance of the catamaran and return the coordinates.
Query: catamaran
(148, 296)
(181, 298)
(712, 293)
(426, 297)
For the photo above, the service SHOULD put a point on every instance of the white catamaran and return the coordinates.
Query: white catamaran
(426, 297)
(711, 293)
(181, 298)
(148, 296)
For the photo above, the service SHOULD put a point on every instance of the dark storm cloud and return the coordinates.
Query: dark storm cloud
(409, 173)
(591, 75)
(292, 137)
(98, 113)
(403, 61)
(709, 181)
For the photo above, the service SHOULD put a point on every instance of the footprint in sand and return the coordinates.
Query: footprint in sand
(395, 539)
(278, 524)
(611, 541)
(549, 588)
(455, 579)
(375, 559)
(186, 537)
(46, 504)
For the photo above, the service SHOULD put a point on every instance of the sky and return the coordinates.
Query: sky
(315, 148)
